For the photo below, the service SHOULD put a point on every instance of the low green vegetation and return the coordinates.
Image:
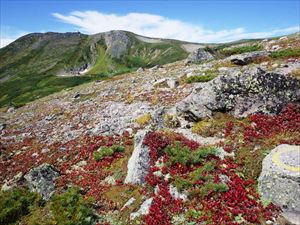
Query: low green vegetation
(23, 207)
(70, 208)
(16, 203)
(208, 187)
(183, 155)
(107, 151)
(208, 76)
(200, 174)
(240, 49)
(285, 53)
(212, 127)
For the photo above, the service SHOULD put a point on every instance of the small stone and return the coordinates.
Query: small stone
(128, 203)
(77, 95)
(144, 209)
(109, 180)
(172, 83)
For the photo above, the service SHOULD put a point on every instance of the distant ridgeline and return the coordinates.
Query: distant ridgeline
(39, 64)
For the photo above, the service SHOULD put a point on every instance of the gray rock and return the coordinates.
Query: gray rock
(41, 180)
(200, 55)
(172, 83)
(279, 180)
(246, 58)
(139, 162)
(242, 94)
(158, 116)
(154, 68)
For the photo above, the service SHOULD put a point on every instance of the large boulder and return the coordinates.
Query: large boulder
(199, 55)
(246, 58)
(139, 162)
(279, 180)
(41, 180)
(240, 93)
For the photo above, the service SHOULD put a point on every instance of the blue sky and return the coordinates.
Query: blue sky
(197, 21)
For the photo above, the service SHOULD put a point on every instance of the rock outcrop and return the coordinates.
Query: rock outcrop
(41, 180)
(200, 55)
(279, 180)
(246, 58)
(240, 93)
(139, 162)
(117, 43)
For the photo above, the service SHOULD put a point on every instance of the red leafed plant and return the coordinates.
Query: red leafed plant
(238, 200)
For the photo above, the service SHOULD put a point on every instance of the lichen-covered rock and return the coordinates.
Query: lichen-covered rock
(199, 55)
(279, 180)
(139, 162)
(41, 180)
(241, 93)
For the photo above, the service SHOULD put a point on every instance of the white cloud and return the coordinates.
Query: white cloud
(151, 25)
(9, 34)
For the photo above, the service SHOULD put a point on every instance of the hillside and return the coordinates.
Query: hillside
(39, 64)
(211, 139)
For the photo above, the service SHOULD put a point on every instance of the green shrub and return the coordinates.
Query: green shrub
(208, 76)
(107, 151)
(178, 154)
(286, 53)
(240, 49)
(208, 187)
(16, 203)
(118, 148)
(185, 156)
(198, 173)
(199, 155)
(70, 208)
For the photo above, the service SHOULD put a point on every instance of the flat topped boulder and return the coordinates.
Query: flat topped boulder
(279, 180)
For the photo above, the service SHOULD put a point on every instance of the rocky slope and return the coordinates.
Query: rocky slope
(181, 143)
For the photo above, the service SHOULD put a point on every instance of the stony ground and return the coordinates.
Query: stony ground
(66, 130)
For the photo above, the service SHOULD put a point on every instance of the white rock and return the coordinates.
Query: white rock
(144, 209)
(176, 194)
(172, 83)
(128, 203)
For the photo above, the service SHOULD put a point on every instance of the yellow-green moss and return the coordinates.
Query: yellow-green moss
(144, 119)
(171, 121)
